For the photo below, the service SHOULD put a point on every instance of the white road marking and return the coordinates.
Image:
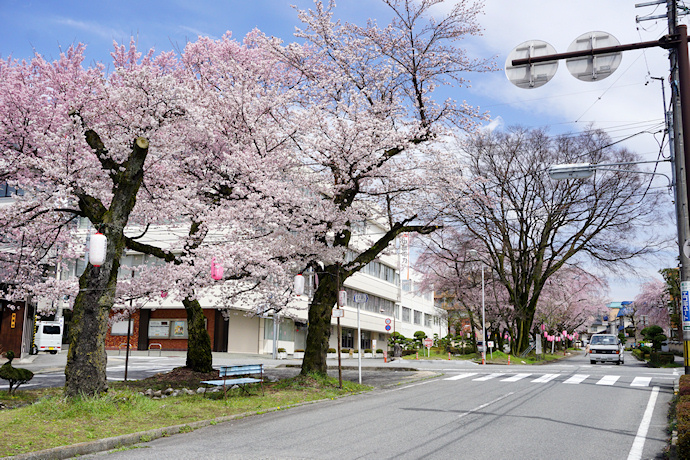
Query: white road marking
(608, 380)
(577, 378)
(545, 378)
(487, 377)
(638, 443)
(485, 405)
(461, 376)
(641, 382)
(516, 377)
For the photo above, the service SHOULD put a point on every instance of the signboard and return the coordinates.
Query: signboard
(338, 313)
(388, 320)
(159, 328)
(490, 343)
(685, 303)
(360, 298)
(428, 342)
(405, 256)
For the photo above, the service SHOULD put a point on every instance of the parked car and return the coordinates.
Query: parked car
(606, 348)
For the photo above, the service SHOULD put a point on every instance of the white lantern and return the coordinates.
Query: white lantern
(342, 298)
(299, 284)
(97, 249)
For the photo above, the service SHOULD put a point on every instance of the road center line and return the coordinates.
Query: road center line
(638, 443)
(485, 405)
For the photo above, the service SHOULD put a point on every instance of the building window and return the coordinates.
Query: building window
(8, 190)
(286, 330)
(427, 320)
(417, 317)
(406, 314)
(348, 338)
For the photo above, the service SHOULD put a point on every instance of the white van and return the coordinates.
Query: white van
(48, 336)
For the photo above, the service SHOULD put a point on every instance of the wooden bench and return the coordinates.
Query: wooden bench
(227, 372)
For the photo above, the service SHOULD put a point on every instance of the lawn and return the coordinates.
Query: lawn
(38, 419)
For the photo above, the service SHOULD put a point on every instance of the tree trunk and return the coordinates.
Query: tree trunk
(85, 372)
(320, 312)
(199, 356)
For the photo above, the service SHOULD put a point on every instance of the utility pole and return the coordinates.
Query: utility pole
(677, 42)
(679, 160)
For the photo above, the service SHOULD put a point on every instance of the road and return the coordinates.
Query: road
(570, 409)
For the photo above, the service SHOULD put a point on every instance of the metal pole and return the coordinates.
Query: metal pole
(359, 346)
(340, 364)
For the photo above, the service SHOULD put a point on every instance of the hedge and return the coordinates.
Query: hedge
(683, 418)
(661, 358)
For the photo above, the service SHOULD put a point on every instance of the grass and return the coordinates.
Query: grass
(497, 357)
(42, 419)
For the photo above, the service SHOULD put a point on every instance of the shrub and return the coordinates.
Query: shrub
(378, 350)
(14, 375)
(661, 358)
(367, 350)
(332, 350)
(683, 427)
(281, 350)
(299, 350)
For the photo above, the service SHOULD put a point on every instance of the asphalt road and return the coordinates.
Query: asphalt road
(570, 409)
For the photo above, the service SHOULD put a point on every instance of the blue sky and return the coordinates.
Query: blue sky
(628, 103)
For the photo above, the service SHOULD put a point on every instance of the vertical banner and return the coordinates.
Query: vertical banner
(405, 256)
(685, 304)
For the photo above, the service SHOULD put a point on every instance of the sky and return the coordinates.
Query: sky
(628, 104)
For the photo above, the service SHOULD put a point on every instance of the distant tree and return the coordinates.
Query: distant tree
(530, 226)
(654, 334)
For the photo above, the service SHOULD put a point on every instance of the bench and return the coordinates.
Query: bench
(227, 372)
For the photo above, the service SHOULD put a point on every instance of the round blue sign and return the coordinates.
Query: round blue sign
(388, 327)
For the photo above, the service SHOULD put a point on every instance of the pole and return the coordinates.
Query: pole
(129, 325)
(483, 321)
(359, 346)
(340, 331)
(680, 156)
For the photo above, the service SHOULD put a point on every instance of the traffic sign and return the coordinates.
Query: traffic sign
(428, 342)
(388, 320)
(360, 298)
(388, 327)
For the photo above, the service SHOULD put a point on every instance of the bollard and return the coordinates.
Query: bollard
(417, 358)
(449, 356)
(508, 358)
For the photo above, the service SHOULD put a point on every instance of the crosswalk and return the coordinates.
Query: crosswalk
(575, 379)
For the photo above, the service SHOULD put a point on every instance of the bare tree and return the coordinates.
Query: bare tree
(530, 226)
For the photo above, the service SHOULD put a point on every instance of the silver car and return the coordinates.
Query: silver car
(606, 348)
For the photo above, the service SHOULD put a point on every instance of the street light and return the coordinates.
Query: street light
(474, 253)
(586, 170)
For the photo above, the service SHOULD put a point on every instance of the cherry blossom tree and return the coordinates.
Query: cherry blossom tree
(569, 300)
(221, 180)
(372, 121)
(77, 142)
(652, 303)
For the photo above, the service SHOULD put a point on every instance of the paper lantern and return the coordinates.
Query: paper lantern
(98, 246)
(216, 270)
(543, 327)
(299, 284)
(342, 298)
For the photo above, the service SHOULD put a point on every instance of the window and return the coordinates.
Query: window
(162, 328)
(406, 314)
(120, 328)
(348, 338)
(427, 320)
(8, 190)
(417, 317)
(286, 330)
